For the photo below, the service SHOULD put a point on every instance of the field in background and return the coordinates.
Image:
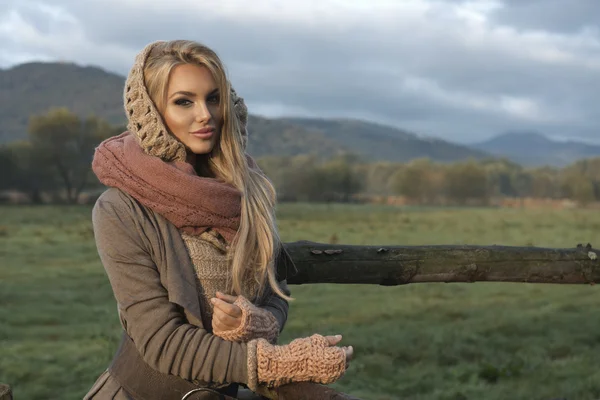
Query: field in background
(59, 329)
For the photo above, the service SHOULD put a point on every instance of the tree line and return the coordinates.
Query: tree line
(56, 160)
(422, 181)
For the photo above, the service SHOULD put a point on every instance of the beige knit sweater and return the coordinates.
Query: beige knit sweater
(208, 253)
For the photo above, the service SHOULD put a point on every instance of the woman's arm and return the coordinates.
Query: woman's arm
(236, 319)
(158, 327)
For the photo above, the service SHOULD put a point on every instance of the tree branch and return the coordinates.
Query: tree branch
(399, 265)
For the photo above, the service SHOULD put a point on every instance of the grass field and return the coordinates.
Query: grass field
(59, 329)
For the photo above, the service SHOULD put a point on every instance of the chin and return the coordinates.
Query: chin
(201, 148)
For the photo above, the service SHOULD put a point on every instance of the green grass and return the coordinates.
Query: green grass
(59, 328)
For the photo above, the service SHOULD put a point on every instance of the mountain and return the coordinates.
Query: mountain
(34, 88)
(381, 142)
(535, 149)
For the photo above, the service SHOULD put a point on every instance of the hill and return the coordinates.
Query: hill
(535, 149)
(381, 142)
(33, 88)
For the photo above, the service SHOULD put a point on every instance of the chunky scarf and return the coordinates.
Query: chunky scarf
(172, 189)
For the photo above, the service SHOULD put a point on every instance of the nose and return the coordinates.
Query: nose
(202, 113)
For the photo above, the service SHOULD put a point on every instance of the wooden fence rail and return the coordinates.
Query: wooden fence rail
(400, 265)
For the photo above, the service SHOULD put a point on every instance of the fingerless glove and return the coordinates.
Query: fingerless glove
(309, 359)
(256, 323)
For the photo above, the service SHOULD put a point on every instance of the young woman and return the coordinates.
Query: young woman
(187, 235)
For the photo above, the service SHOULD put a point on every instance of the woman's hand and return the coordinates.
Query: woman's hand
(226, 315)
(349, 350)
(236, 319)
(310, 359)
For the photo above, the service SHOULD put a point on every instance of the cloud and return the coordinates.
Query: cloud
(551, 15)
(461, 70)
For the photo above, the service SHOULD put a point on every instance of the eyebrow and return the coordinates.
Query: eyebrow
(192, 94)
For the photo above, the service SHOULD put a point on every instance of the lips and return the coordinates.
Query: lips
(203, 133)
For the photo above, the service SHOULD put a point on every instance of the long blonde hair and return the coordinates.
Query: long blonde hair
(257, 241)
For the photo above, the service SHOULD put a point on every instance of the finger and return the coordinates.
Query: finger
(225, 297)
(219, 324)
(216, 324)
(349, 352)
(333, 340)
(229, 309)
(226, 320)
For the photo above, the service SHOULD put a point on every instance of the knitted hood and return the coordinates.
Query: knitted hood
(145, 122)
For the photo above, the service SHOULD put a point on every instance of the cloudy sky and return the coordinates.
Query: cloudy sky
(459, 70)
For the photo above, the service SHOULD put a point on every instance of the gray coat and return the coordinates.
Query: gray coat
(153, 281)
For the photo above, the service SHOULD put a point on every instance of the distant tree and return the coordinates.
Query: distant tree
(417, 181)
(377, 177)
(65, 143)
(577, 187)
(299, 179)
(521, 182)
(25, 172)
(466, 181)
(588, 169)
(499, 176)
(7, 166)
(341, 179)
(545, 183)
(275, 168)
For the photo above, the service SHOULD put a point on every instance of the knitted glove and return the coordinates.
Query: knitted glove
(256, 323)
(309, 359)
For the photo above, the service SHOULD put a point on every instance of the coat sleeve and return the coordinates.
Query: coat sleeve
(158, 327)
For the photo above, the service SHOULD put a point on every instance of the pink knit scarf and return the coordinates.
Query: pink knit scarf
(172, 189)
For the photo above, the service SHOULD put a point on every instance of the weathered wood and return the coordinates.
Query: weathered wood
(5, 392)
(399, 265)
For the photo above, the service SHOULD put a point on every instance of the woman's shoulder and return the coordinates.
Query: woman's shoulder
(117, 200)
(114, 202)
(118, 218)
(114, 196)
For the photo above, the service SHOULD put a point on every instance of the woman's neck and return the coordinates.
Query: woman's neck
(200, 164)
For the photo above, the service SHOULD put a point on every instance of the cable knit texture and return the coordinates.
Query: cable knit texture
(256, 323)
(303, 360)
(145, 122)
(208, 253)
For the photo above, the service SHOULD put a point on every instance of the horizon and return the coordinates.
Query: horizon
(460, 71)
(555, 138)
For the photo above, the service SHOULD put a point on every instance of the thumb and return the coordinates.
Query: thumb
(333, 340)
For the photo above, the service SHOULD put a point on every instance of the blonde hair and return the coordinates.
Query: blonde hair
(257, 241)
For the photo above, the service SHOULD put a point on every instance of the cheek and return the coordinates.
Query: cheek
(176, 119)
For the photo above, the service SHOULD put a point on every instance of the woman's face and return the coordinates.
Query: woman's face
(192, 110)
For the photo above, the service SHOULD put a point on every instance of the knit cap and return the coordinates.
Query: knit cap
(145, 122)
